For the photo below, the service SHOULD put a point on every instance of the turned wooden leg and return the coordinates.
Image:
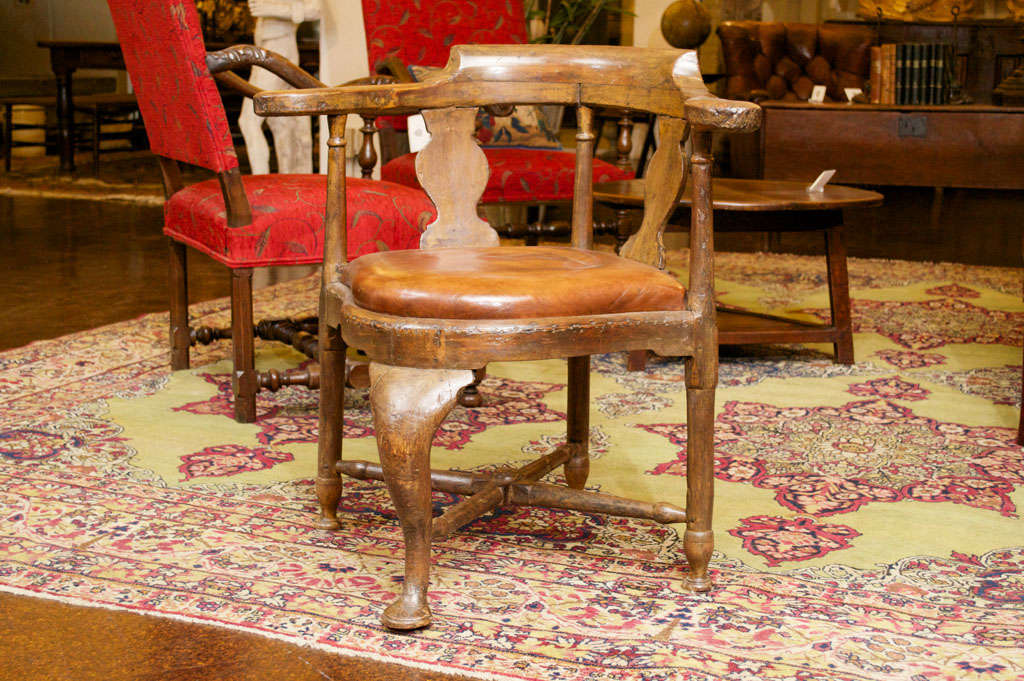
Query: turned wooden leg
(701, 374)
(839, 293)
(408, 406)
(332, 414)
(178, 283)
(577, 468)
(470, 395)
(244, 381)
(698, 541)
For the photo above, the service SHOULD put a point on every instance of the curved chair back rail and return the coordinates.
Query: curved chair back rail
(659, 81)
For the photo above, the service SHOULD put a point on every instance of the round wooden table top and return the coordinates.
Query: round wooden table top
(750, 195)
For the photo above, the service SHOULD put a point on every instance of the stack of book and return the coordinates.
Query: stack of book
(910, 73)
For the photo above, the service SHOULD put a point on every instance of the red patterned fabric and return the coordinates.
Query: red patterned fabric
(166, 60)
(288, 219)
(423, 32)
(518, 174)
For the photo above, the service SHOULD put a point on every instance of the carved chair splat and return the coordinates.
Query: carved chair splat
(426, 318)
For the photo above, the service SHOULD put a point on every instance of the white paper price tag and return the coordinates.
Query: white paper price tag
(818, 185)
(418, 135)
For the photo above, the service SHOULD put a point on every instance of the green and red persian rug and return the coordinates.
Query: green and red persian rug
(868, 517)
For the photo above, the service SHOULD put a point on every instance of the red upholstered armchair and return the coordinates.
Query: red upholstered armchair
(518, 176)
(240, 221)
(783, 61)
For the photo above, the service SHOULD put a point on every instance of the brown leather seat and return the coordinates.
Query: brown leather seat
(503, 283)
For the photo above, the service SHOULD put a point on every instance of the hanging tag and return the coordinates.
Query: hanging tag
(418, 135)
(818, 185)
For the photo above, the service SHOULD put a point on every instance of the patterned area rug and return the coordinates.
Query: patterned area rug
(868, 517)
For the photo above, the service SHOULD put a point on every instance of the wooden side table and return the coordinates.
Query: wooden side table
(764, 206)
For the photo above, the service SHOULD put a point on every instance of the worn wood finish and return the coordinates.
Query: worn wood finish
(664, 82)
(764, 206)
(577, 421)
(839, 294)
(177, 282)
(455, 188)
(583, 204)
(244, 381)
(748, 196)
(240, 56)
(668, 163)
(954, 146)
(418, 364)
(408, 406)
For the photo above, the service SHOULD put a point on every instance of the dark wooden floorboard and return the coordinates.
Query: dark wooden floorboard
(72, 265)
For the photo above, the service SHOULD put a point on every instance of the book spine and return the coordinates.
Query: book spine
(876, 75)
(889, 74)
(915, 73)
(931, 59)
(901, 52)
(947, 71)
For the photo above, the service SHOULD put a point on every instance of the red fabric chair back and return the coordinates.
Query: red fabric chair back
(424, 32)
(166, 60)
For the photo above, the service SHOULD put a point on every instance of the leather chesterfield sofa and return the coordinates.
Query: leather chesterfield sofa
(783, 61)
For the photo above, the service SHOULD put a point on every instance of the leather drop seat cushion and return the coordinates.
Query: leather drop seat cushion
(502, 283)
(288, 219)
(533, 175)
(772, 60)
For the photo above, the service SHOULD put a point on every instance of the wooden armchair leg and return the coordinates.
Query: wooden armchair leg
(698, 540)
(408, 406)
(577, 468)
(332, 414)
(178, 283)
(244, 381)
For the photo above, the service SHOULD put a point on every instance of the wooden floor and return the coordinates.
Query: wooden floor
(71, 265)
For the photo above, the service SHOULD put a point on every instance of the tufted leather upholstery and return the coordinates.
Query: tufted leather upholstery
(510, 282)
(782, 61)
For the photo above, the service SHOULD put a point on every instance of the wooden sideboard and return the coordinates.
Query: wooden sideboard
(941, 146)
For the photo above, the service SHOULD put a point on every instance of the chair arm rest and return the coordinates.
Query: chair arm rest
(237, 56)
(712, 113)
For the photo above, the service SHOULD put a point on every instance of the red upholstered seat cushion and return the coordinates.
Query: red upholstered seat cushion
(518, 174)
(288, 219)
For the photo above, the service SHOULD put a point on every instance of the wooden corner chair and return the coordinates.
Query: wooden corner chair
(241, 221)
(426, 318)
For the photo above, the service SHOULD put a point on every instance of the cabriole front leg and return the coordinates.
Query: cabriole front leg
(408, 406)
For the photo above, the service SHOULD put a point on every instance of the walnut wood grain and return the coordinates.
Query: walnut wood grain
(408, 406)
(239, 56)
(647, 244)
(756, 196)
(652, 80)
(455, 187)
